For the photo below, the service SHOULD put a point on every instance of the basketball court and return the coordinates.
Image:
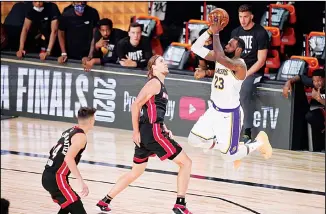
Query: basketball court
(290, 182)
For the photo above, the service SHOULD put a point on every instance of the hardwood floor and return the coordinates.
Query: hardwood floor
(290, 182)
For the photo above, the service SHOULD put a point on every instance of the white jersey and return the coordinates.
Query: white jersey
(225, 88)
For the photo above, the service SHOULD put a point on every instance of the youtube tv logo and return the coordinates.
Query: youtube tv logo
(191, 108)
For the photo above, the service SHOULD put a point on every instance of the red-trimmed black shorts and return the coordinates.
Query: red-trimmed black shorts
(60, 190)
(155, 142)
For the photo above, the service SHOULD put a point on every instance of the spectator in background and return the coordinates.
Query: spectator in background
(4, 206)
(14, 22)
(4, 38)
(135, 50)
(315, 117)
(76, 29)
(39, 30)
(205, 66)
(257, 41)
(105, 38)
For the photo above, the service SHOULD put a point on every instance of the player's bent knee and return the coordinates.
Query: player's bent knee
(138, 169)
(183, 160)
(200, 142)
(187, 162)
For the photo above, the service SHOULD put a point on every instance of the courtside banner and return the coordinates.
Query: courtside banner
(54, 92)
(273, 114)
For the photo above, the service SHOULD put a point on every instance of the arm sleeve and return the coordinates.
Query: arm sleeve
(307, 81)
(263, 40)
(55, 13)
(62, 23)
(121, 54)
(233, 33)
(198, 47)
(97, 37)
(29, 14)
(95, 18)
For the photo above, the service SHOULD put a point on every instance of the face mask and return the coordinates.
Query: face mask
(79, 8)
(38, 9)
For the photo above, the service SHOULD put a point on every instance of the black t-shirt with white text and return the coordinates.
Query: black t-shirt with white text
(115, 36)
(255, 39)
(78, 30)
(141, 53)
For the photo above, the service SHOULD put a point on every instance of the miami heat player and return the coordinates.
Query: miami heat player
(63, 160)
(152, 137)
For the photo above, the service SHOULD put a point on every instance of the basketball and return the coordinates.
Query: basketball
(219, 13)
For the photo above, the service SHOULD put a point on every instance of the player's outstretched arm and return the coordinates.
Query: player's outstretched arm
(151, 88)
(235, 65)
(199, 49)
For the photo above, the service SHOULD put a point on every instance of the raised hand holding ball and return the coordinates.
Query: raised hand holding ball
(218, 19)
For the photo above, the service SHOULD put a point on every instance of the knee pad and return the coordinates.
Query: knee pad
(199, 142)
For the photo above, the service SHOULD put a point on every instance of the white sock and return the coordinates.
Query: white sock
(241, 153)
(253, 145)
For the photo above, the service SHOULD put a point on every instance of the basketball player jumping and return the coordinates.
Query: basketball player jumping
(152, 137)
(221, 124)
(64, 157)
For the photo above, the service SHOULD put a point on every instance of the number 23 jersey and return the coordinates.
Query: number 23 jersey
(225, 88)
(56, 163)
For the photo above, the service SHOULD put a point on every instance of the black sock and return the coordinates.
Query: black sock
(248, 132)
(107, 199)
(181, 200)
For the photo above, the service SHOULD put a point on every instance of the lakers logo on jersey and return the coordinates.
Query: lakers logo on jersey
(222, 71)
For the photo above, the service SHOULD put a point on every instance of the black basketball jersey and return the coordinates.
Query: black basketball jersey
(56, 163)
(155, 108)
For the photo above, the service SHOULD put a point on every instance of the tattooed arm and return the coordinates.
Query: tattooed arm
(234, 64)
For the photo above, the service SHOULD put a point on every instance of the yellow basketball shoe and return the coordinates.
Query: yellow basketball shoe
(265, 149)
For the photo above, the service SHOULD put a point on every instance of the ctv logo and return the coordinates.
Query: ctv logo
(267, 114)
(191, 108)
